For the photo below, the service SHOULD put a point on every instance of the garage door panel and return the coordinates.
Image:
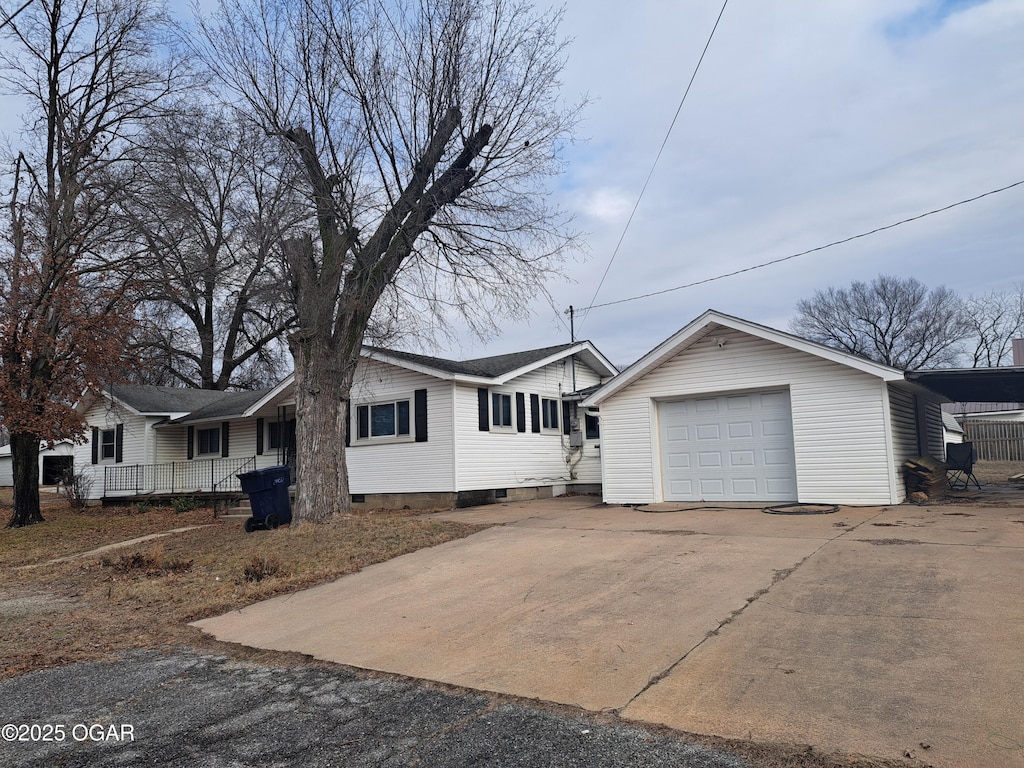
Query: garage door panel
(730, 447)
(741, 458)
(777, 457)
(740, 429)
(681, 488)
(709, 459)
(681, 460)
(745, 487)
(709, 432)
(678, 434)
(783, 487)
(712, 488)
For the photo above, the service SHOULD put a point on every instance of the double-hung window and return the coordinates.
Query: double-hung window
(501, 409)
(107, 444)
(549, 413)
(209, 440)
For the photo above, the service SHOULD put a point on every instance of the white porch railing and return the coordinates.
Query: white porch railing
(197, 475)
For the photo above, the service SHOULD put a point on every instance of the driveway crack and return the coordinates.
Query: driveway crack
(777, 576)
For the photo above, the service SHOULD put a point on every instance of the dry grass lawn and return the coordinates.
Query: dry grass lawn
(997, 471)
(143, 596)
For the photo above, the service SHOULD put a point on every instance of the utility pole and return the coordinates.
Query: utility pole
(572, 338)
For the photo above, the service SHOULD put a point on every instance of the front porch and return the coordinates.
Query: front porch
(176, 477)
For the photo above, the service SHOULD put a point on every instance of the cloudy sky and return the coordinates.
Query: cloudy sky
(808, 122)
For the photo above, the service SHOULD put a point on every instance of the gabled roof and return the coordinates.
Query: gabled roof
(496, 369)
(187, 406)
(181, 405)
(232, 405)
(149, 400)
(711, 320)
(950, 424)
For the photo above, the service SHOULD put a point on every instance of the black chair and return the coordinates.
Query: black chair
(960, 458)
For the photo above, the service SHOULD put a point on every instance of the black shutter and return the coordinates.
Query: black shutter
(485, 419)
(191, 441)
(535, 413)
(520, 412)
(363, 417)
(348, 427)
(224, 438)
(119, 443)
(95, 445)
(420, 402)
(565, 417)
(259, 437)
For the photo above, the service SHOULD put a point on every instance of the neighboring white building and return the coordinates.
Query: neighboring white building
(53, 463)
(424, 431)
(952, 432)
(728, 410)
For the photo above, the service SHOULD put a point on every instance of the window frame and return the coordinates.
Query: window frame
(502, 419)
(211, 449)
(400, 420)
(550, 420)
(591, 426)
(112, 445)
(280, 434)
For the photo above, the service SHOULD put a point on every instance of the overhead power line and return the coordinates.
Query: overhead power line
(803, 253)
(657, 157)
(8, 19)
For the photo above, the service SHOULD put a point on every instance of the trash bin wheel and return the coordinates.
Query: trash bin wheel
(271, 522)
(250, 525)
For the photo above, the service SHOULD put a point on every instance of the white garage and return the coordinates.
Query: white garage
(729, 410)
(729, 447)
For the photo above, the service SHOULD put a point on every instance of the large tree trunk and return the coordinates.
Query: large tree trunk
(25, 456)
(323, 383)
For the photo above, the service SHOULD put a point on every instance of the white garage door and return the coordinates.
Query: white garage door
(728, 448)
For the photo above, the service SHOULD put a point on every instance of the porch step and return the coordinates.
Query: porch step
(236, 516)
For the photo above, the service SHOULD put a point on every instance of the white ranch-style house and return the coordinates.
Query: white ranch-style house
(424, 431)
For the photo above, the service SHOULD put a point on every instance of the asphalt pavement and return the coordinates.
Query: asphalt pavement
(203, 711)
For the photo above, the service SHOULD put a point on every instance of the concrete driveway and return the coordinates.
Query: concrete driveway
(872, 630)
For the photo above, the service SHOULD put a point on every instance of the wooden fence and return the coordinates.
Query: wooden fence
(996, 440)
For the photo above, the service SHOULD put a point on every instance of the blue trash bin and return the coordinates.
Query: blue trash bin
(267, 490)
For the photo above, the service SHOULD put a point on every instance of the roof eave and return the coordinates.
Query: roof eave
(575, 349)
(700, 327)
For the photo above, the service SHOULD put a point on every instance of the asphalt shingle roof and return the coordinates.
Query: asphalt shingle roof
(198, 403)
(486, 367)
(210, 405)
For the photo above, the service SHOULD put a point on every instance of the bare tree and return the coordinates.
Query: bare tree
(427, 131)
(210, 202)
(895, 321)
(85, 68)
(995, 320)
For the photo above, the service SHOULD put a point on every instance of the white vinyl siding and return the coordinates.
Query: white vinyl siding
(838, 418)
(508, 458)
(137, 444)
(401, 466)
(903, 418)
(934, 442)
